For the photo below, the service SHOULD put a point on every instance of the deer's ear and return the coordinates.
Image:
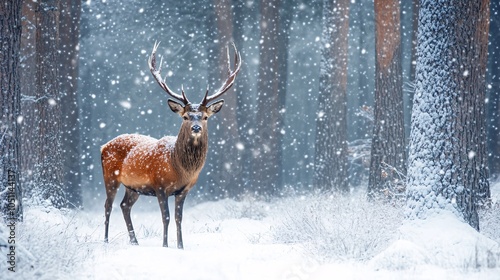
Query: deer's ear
(214, 107)
(176, 107)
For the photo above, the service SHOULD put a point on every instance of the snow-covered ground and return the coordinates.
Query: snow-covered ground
(303, 237)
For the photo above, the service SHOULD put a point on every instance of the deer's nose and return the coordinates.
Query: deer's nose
(196, 128)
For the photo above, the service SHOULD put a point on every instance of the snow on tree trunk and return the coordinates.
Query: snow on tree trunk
(331, 124)
(388, 155)
(48, 170)
(447, 164)
(10, 109)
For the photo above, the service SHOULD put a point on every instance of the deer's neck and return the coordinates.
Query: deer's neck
(190, 154)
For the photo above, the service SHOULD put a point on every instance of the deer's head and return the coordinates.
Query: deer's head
(195, 115)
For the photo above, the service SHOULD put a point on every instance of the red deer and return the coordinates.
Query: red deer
(162, 167)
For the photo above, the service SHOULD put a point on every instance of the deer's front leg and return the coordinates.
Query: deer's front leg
(165, 214)
(179, 204)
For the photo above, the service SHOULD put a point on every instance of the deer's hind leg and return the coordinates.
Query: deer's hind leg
(128, 201)
(111, 189)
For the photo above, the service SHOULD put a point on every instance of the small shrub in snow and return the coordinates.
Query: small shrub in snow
(489, 218)
(338, 227)
(50, 244)
(249, 207)
(489, 222)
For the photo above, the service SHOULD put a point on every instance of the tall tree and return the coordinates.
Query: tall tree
(69, 30)
(29, 129)
(493, 96)
(331, 124)
(447, 155)
(226, 137)
(10, 109)
(388, 159)
(244, 13)
(269, 128)
(48, 169)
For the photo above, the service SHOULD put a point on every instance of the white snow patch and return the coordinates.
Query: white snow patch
(303, 237)
(441, 242)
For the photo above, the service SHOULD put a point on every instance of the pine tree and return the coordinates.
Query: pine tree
(10, 109)
(447, 156)
(48, 177)
(267, 150)
(69, 30)
(331, 123)
(388, 155)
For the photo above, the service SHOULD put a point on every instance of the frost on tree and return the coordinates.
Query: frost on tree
(447, 167)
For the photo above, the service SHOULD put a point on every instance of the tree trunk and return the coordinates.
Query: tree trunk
(244, 96)
(447, 156)
(10, 110)
(29, 129)
(493, 96)
(331, 123)
(267, 150)
(225, 137)
(69, 28)
(49, 172)
(388, 159)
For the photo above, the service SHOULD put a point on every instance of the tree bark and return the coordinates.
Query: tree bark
(10, 110)
(388, 158)
(49, 171)
(493, 96)
(331, 171)
(29, 128)
(447, 156)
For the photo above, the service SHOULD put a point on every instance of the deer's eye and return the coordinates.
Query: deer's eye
(185, 118)
(205, 118)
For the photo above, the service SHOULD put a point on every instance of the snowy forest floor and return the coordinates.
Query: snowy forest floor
(301, 237)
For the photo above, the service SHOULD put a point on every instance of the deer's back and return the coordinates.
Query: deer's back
(139, 162)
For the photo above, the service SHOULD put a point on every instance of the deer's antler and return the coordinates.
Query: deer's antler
(156, 74)
(230, 79)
